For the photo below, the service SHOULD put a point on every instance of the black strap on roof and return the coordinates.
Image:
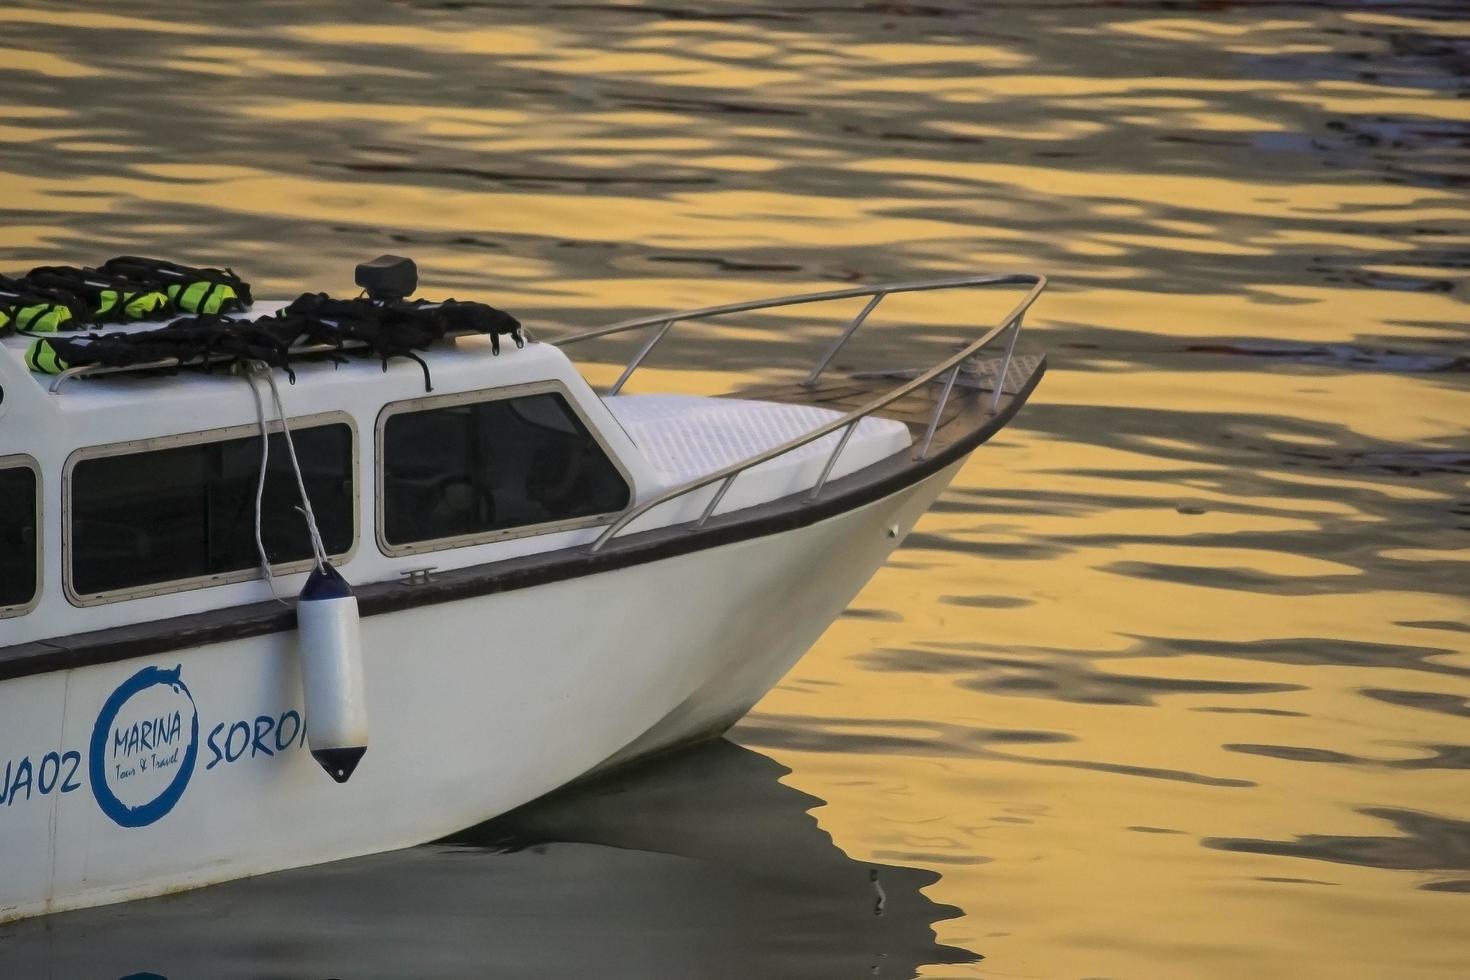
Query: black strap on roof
(201, 341)
(480, 318)
(315, 321)
(399, 329)
(123, 289)
(392, 329)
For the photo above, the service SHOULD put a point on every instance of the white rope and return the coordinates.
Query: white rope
(319, 554)
(265, 455)
(318, 550)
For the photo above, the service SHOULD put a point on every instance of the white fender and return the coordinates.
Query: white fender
(330, 643)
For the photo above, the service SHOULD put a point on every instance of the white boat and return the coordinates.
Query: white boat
(550, 581)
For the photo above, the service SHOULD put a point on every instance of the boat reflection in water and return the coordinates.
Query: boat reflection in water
(700, 864)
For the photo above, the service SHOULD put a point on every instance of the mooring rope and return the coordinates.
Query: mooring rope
(252, 370)
(265, 456)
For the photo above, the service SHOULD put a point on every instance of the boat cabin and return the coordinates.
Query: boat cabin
(132, 492)
(130, 498)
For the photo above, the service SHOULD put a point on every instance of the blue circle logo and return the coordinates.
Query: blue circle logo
(144, 746)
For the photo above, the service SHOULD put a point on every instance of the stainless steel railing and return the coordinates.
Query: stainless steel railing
(726, 476)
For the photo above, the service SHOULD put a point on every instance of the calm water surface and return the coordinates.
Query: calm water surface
(1174, 681)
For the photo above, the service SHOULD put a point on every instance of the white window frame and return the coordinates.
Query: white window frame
(193, 439)
(430, 402)
(24, 461)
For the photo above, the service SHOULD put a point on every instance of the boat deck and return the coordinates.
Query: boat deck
(685, 437)
(967, 403)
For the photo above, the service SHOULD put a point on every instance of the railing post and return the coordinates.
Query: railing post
(638, 358)
(832, 460)
(609, 534)
(954, 372)
(1005, 367)
(719, 495)
(838, 344)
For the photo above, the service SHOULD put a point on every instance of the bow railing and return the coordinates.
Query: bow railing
(949, 367)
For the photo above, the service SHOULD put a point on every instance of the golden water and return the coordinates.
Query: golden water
(1175, 680)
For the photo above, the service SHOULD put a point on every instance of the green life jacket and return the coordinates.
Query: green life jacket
(191, 289)
(204, 297)
(27, 309)
(35, 318)
(110, 297)
(42, 358)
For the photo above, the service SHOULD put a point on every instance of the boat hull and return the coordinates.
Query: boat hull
(188, 768)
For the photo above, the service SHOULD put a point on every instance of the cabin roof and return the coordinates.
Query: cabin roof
(456, 364)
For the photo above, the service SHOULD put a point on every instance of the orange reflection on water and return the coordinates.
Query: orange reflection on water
(1175, 680)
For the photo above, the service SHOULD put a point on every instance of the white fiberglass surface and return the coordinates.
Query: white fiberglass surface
(686, 436)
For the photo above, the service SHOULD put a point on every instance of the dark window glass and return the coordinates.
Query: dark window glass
(17, 535)
(169, 514)
(512, 462)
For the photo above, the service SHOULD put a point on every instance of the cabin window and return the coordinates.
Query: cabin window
(487, 468)
(185, 514)
(19, 536)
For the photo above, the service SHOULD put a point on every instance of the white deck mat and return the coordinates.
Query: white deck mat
(686, 436)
